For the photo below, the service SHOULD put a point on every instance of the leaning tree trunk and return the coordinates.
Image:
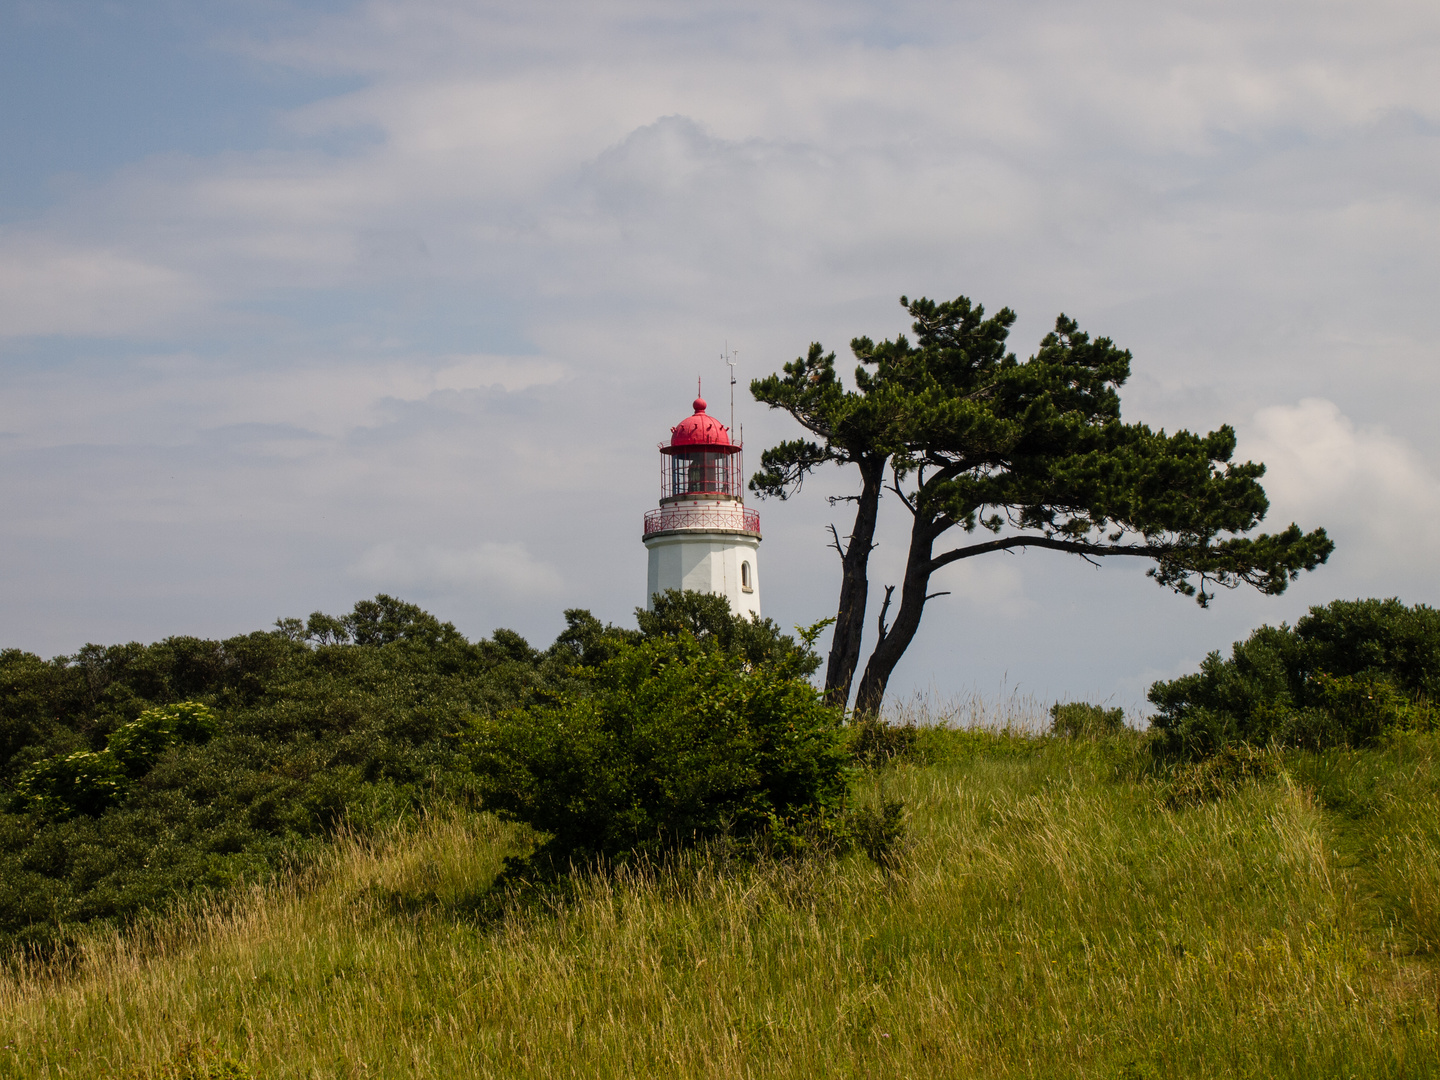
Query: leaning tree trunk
(895, 639)
(854, 585)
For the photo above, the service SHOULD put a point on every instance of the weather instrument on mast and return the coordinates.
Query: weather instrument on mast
(729, 358)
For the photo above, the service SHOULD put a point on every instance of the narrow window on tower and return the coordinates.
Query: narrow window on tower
(745, 578)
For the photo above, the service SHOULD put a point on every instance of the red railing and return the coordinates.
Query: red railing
(733, 517)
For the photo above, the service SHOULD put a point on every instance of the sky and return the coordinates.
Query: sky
(302, 302)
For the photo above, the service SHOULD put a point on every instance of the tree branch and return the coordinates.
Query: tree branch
(889, 591)
(1072, 547)
(835, 543)
(895, 487)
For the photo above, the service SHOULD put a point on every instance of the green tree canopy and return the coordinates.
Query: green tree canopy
(1343, 675)
(1034, 453)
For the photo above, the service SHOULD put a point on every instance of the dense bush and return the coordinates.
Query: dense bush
(133, 773)
(89, 781)
(1345, 674)
(1081, 720)
(874, 742)
(751, 642)
(673, 739)
(1220, 775)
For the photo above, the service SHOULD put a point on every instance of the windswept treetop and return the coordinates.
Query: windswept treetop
(1032, 452)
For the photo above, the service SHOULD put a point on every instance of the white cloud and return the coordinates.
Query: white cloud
(507, 567)
(175, 399)
(47, 287)
(1089, 153)
(1375, 495)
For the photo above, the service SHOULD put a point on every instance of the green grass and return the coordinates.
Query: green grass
(1049, 917)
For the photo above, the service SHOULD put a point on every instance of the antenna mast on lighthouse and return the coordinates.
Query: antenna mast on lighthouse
(728, 357)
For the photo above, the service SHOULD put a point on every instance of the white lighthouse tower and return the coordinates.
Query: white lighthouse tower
(702, 537)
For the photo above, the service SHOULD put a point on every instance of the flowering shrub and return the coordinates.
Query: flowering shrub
(82, 782)
(136, 745)
(89, 781)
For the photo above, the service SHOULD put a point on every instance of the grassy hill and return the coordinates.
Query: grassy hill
(1060, 909)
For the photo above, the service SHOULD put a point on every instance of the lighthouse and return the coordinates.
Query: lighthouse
(701, 537)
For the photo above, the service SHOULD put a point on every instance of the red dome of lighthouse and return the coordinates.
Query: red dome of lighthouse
(701, 429)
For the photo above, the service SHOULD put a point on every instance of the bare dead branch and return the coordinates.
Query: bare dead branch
(885, 607)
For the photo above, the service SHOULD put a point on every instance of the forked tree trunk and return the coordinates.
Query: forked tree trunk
(854, 586)
(895, 639)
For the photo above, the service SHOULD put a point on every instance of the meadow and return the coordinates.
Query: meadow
(1058, 907)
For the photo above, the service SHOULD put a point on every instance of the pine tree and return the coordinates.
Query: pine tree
(970, 439)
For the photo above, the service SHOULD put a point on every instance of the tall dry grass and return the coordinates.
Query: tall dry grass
(1046, 920)
(1010, 711)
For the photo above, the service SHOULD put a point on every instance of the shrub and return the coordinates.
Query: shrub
(90, 782)
(136, 745)
(1080, 720)
(1377, 638)
(879, 831)
(1345, 675)
(1219, 776)
(114, 799)
(81, 782)
(873, 742)
(671, 742)
(753, 642)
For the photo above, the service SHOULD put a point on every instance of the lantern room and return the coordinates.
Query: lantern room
(701, 461)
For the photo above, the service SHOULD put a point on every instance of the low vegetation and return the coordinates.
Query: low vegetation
(656, 852)
(1053, 913)
(667, 744)
(1347, 674)
(133, 775)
